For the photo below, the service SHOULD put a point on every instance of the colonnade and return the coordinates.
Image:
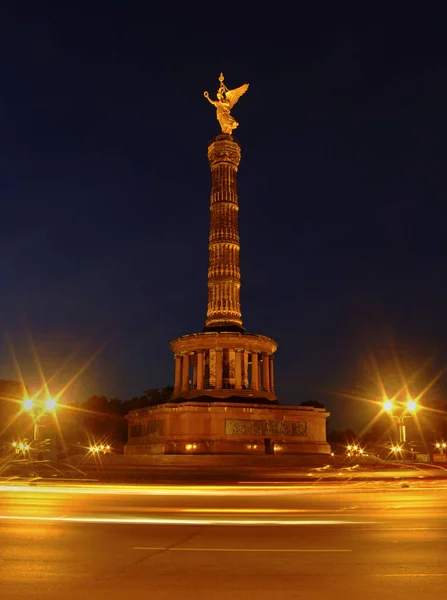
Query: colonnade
(220, 368)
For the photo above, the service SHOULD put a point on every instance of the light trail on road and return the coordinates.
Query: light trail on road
(169, 541)
(169, 521)
(209, 490)
(162, 490)
(286, 550)
(325, 505)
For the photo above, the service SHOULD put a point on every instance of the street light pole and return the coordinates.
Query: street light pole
(36, 430)
(410, 409)
(402, 433)
(28, 405)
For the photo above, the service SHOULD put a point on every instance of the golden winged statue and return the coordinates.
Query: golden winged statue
(226, 99)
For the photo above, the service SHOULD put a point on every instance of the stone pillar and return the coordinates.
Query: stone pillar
(231, 366)
(272, 378)
(238, 369)
(245, 370)
(219, 368)
(212, 367)
(185, 372)
(200, 369)
(224, 307)
(265, 372)
(254, 372)
(178, 373)
(194, 371)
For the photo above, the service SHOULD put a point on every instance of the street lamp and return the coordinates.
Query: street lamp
(50, 404)
(396, 449)
(387, 405)
(29, 404)
(441, 446)
(410, 408)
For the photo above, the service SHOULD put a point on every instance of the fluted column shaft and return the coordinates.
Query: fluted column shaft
(185, 372)
(224, 308)
(200, 369)
(272, 380)
(255, 372)
(219, 368)
(266, 373)
(178, 373)
(238, 368)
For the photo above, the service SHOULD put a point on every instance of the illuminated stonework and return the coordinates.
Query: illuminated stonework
(224, 275)
(224, 399)
(224, 361)
(193, 427)
(224, 364)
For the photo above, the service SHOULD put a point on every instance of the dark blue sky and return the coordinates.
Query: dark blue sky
(105, 183)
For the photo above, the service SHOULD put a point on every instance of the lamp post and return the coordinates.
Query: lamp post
(441, 446)
(48, 406)
(405, 413)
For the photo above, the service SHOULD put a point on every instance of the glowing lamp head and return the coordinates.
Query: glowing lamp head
(411, 405)
(28, 404)
(438, 445)
(387, 405)
(50, 404)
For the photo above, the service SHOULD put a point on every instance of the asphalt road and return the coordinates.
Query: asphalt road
(373, 540)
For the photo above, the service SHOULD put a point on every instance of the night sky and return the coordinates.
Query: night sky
(105, 184)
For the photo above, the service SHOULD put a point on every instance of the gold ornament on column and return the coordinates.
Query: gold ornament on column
(226, 99)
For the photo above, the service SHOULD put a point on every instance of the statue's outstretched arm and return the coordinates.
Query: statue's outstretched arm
(207, 96)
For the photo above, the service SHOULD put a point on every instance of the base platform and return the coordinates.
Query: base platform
(218, 428)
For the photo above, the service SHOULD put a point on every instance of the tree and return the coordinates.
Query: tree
(12, 424)
(159, 396)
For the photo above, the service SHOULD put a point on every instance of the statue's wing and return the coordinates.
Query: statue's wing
(233, 95)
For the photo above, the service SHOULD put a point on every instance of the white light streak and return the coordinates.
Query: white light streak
(170, 521)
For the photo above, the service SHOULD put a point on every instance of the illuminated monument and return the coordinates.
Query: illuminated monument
(224, 398)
